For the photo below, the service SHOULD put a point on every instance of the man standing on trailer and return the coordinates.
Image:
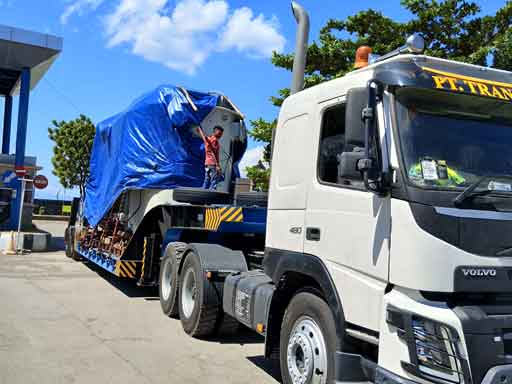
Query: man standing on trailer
(212, 164)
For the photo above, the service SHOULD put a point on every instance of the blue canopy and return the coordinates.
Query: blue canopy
(150, 145)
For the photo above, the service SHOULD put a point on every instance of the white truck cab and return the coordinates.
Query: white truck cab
(391, 194)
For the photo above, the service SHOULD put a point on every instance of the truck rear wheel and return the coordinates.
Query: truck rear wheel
(198, 299)
(168, 282)
(308, 341)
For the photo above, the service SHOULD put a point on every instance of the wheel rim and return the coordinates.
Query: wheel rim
(306, 353)
(189, 293)
(167, 279)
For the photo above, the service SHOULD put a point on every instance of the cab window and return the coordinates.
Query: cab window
(332, 143)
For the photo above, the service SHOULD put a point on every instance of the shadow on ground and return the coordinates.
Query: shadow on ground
(126, 286)
(57, 244)
(242, 336)
(270, 367)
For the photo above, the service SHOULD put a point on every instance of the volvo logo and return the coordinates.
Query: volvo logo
(479, 272)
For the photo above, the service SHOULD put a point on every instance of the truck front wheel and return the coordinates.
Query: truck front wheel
(307, 341)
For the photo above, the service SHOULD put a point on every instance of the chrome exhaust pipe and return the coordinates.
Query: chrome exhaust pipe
(299, 60)
(301, 47)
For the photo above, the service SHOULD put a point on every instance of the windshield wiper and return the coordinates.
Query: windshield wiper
(470, 191)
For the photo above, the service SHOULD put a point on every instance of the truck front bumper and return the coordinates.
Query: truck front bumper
(355, 368)
(362, 370)
(476, 335)
(497, 375)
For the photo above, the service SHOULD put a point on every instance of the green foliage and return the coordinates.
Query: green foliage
(260, 176)
(71, 153)
(451, 28)
(262, 132)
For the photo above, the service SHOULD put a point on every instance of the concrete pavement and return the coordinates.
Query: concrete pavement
(67, 322)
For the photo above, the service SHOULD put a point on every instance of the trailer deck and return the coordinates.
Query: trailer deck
(215, 222)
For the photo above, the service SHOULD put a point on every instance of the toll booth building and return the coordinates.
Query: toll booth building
(25, 57)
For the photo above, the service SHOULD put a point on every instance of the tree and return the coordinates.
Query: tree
(71, 153)
(452, 29)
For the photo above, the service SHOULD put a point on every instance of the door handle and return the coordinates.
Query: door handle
(313, 234)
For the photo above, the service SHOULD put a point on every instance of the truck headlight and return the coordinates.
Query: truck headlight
(434, 348)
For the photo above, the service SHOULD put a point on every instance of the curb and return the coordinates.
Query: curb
(50, 217)
(31, 241)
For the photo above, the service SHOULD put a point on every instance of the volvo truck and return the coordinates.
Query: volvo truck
(387, 254)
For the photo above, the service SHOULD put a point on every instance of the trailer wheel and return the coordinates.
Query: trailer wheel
(69, 236)
(168, 282)
(198, 299)
(68, 245)
(307, 341)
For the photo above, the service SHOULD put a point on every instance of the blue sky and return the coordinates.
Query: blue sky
(115, 50)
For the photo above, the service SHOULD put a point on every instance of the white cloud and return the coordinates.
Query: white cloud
(251, 157)
(181, 40)
(182, 34)
(253, 35)
(78, 7)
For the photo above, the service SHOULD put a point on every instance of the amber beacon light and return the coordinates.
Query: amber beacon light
(362, 56)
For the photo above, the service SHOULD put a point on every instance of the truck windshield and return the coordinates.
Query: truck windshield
(449, 141)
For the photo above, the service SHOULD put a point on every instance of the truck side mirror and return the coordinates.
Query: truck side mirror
(360, 131)
(357, 99)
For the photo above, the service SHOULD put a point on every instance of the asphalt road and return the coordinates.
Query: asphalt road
(63, 321)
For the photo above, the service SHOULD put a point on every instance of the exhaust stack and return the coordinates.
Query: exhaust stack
(301, 46)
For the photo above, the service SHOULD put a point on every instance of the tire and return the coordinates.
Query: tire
(168, 280)
(307, 341)
(201, 196)
(68, 243)
(251, 199)
(199, 301)
(69, 236)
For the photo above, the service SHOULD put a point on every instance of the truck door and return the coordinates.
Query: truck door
(347, 226)
(291, 170)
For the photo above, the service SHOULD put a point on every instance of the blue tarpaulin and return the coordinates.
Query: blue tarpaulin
(150, 145)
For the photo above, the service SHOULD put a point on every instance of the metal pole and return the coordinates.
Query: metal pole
(21, 134)
(6, 137)
(21, 138)
(20, 217)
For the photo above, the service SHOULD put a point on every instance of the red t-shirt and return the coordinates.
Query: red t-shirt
(212, 147)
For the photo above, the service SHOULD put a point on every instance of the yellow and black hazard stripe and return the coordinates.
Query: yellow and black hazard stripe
(144, 253)
(215, 216)
(126, 269)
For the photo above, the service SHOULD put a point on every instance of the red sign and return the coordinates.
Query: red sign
(20, 171)
(40, 182)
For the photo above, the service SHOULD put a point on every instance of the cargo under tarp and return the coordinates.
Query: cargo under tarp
(150, 145)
